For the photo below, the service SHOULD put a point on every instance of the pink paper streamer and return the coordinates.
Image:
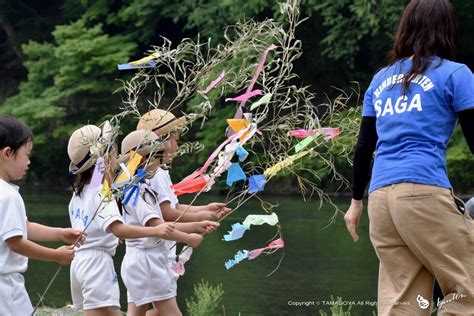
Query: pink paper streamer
(98, 174)
(301, 133)
(244, 97)
(330, 133)
(276, 244)
(259, 69)
(214, 82)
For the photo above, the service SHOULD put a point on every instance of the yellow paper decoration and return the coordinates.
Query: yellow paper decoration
(270, 172)
(131, 167)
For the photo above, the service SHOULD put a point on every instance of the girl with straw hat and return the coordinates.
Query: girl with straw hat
(145, 270)
(94, 283)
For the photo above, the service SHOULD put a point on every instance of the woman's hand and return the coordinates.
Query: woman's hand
(352, 218)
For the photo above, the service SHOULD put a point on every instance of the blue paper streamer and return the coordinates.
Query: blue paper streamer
(237, 232)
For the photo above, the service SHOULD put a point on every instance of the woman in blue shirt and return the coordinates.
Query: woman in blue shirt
(417, 226)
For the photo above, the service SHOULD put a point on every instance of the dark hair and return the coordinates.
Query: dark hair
(80, 180)
(427, 28)
(13, 133)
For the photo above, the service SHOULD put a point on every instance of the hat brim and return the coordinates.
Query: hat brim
(171, 127)
(107, 133)
(143, 151)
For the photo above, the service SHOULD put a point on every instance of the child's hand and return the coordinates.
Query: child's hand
(194, 240)
(64, 255)
(219, 210)
(164, 230)
(206, 227)
(70, 236)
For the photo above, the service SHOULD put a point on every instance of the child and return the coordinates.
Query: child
(16, 143)
(145, 268)
(94, 283)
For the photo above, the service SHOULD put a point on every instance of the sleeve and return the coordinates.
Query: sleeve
(364, 151)
(459, 89)
(11, 223)
(145, 210)
(107, 213)
(158, 184)
(368, 105)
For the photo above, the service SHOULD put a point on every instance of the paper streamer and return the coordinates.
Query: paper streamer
(132, 166)
(250, 255)
(305, 142)
(270, 172)
(245, 96)
(214, 82)
(263, 100)
(239, 256)
(256, 219)
(98, 174)
(234, 174)
(238, 230)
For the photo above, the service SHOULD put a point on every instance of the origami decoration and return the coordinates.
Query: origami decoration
(250, 255)
(330, 133)
(305, 142)
(234, 174)
(242, 153)
(178, 266)
(130, 169)
(270, 172)
(245, 96)
(190, 185)
(128, 66)
(256, 183)
(239, 256)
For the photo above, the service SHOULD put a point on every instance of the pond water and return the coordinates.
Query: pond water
(318, 262)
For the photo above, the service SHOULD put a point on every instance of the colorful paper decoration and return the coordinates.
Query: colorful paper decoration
(245, 96)
(237, 232)
(214, 82)
(242, 153)
(270, 172)
(263, 100)
(256, 183)
(257, 219)
(234, 174)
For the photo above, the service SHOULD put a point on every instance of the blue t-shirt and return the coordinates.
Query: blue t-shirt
(414, 129)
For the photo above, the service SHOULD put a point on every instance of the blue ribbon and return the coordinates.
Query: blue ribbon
(133, 189)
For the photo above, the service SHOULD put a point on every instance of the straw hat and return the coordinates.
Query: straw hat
(142, 142)
(86, 144)
(161, 122)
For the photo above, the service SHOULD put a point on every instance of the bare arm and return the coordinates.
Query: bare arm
(38, 232)
(62, 255)
(170, 214)
(125, 231)
(191, 239)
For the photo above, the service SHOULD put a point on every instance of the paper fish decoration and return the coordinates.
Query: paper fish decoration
(256, 183)
(238, 230)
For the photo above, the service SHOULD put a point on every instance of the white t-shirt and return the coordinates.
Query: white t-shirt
(81, 211)
(161, 184)
(138, 215)
(13, 222)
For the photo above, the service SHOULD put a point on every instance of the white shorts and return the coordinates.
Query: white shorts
(14, 300)
(147, 276)
(94, 283)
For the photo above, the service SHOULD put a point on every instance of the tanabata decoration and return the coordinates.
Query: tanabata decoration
(328, 133)
(214, 83)
(98, 174)
(263, 100)
(256, 183)
(305, 142)
(270, 172)
(145, 62)
(242, 153)
(127, 172)
(250, 255)
(237, 232)
(245, 96)
(133, 188)
(178, 266)
(235, 173)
